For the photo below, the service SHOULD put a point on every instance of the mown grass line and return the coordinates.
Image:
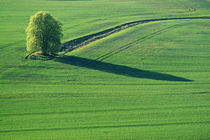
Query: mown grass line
(85, 40)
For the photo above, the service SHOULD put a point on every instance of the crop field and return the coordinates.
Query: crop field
(148, 81)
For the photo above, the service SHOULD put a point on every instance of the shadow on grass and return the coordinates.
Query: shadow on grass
(118, 69)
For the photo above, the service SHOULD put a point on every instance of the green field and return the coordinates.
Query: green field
(149, 81)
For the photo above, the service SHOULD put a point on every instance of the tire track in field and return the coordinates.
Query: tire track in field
(108, 126)
(113, 110)
(127, 46)
(10, 44)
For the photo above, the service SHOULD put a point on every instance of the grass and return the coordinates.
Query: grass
(150, 81)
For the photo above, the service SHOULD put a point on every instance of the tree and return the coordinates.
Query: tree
(44, 34)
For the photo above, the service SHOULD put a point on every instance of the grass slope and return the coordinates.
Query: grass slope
(150, 81)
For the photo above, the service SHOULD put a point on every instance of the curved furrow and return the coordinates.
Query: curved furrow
(85, 40)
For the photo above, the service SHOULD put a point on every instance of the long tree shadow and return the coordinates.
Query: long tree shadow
(118, 69)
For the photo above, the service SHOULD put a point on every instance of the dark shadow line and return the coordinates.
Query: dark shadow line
(118, 69)
(201, 93)
(82, 41)
(106, 126)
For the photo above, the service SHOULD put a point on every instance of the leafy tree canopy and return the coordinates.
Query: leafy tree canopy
(44, 34)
